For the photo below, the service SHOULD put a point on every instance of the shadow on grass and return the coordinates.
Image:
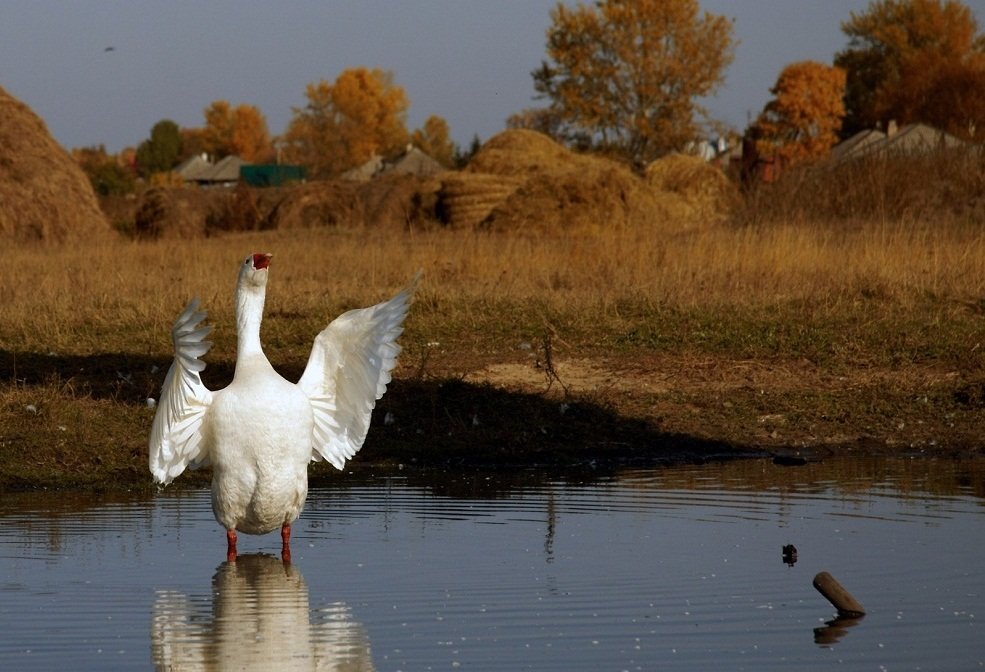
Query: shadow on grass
(420, 422)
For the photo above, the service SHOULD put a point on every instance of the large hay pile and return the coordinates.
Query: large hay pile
(707, 193)
(467, 198)
(399, 201)
(180, 212)
(523, 181)
(44, 195)
(523, 153)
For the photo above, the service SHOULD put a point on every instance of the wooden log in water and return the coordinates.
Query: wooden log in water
(836, 594)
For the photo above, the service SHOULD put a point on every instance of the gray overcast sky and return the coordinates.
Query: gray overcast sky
(468, 61)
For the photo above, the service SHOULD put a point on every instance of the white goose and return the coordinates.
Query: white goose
(260, 432)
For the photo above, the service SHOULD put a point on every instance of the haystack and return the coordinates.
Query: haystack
(707, 192)
(599, 196)
(468, 198)
(522, 180)
(522, 153)
(180, 212)
(44, 195)
(398, 201)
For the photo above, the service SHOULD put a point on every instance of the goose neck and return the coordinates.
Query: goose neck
(249, 313)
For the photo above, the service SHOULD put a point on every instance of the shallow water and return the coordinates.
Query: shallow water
(675, 568)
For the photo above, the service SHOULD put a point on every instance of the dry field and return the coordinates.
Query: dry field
(656, 342)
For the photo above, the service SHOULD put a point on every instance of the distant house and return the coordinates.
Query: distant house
(200, 171)
(190, 169)
(231, 170)
(225, 173)
(910, 139)
(365, 172)
(412, 162)
(271, 174)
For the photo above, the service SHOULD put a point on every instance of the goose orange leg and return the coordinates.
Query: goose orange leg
(285, 537)
(231, 545)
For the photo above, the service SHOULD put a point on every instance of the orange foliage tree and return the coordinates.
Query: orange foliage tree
(624, 76)
(345, 123)
(899, 51)
(802, 121)
(434, 140)
(240, 130)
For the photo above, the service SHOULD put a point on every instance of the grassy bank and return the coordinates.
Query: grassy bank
(737, 338)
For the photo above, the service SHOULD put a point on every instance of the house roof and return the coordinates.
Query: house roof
(225, 170)
(190, 169)
(415, 162)
(910, 138)
(856, 144)
(366, 171)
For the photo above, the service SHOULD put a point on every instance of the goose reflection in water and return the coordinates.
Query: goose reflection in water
(257, 619)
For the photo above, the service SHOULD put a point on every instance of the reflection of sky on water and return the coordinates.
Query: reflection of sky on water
(677, 568)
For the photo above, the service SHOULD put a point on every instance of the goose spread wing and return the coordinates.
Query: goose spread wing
(177, 437)
(348, 370)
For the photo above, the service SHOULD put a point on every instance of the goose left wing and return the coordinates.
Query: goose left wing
(348, 371)
(177, 439)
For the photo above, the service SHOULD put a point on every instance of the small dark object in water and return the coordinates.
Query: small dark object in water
(790, 554)
(838, 596)
(789, 460)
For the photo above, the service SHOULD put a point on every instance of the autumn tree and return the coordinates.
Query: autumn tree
(899, 52)
(108, 175)
(434, 140)
(160, 152)
(345, 123)
(192, 142)
(625, 75)
(240, 130)
(955, 102)
(802, 120)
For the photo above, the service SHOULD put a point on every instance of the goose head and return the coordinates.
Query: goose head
(251, 290)
(253, 271)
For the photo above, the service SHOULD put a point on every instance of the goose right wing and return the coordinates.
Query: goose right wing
(177, 439)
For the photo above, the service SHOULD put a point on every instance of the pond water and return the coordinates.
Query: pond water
(676, 568)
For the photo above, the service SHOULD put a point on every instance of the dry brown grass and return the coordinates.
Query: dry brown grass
(893, 190)
(763, 335)
(122, 296)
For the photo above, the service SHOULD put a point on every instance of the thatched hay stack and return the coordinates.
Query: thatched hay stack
(522, 153)
(524, 181)
(708, 193)
(179, 212)
(399, 201)
(44, 195)
(317, 204)
(468, 198)
(599, 196)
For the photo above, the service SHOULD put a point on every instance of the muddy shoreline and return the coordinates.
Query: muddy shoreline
(82, 424)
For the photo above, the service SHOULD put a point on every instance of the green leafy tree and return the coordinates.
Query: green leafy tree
(624, 76)
(161, 152)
